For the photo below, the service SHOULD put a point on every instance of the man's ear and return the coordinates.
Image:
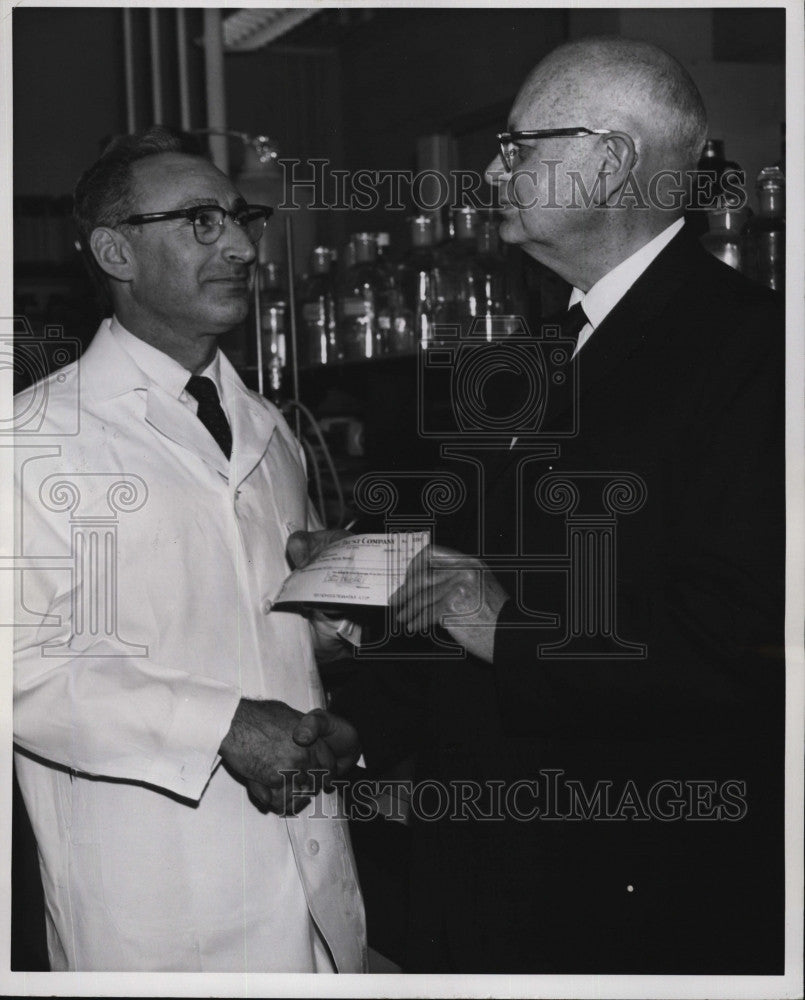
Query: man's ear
(619, 157)
(113, 253)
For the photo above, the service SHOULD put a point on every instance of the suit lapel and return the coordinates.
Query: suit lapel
(635, 321)
(633, 324)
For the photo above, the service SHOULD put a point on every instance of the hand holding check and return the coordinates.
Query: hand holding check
(447, 588)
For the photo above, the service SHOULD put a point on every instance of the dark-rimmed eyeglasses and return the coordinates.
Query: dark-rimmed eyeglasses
(510, 140)
(208, 220)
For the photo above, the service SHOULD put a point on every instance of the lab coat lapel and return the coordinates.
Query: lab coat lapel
(110, 371)
(253, 427)
(178, 422)
(253, 424)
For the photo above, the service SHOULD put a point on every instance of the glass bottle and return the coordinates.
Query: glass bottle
(273, 325)
(318, 310)
(348, 258)
(713, 161)
(388, 270)
(384, 255)
(723, 238)
(458, 305)
(764, 233)
(419, 281)
(492, 296)
(715, 178)
(362, 302)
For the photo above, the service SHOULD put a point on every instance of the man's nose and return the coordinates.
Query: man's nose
(495, 171)
(235, 242)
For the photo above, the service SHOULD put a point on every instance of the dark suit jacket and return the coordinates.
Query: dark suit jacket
(658, 847)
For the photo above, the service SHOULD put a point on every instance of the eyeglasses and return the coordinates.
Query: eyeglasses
(208, 220)
(510, 140)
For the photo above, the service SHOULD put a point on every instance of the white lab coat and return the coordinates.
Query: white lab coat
(145, 615)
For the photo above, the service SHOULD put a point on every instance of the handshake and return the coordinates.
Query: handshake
(286, 757)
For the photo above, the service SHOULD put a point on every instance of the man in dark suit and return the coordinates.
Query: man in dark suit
(621, 707)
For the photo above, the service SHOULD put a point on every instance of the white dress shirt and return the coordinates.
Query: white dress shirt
(607, 292)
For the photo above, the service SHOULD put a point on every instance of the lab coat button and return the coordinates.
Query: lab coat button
(267, 606)
(313, 846)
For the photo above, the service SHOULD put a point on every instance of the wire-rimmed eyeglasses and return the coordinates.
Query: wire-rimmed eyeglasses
(208, 220)
(509, 140)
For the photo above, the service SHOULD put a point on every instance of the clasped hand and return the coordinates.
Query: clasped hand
(285, 757)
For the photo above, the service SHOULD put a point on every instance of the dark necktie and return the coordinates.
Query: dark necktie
(210, 412)
(573, 322)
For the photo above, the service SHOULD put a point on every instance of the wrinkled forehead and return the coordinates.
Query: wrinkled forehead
(177, 180)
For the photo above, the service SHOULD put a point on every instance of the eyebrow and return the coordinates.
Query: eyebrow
(194, 202)
(240, 202)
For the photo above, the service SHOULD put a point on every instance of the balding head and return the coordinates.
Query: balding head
(618, 83)
(584, 203)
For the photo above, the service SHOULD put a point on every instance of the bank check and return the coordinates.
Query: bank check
(361, 569)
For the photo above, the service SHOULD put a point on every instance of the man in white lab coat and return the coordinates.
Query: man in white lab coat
(156, 690)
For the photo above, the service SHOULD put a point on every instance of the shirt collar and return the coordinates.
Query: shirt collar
(605, 294)
(159, 367)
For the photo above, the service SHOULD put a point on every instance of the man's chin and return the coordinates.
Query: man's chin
(231, 303)
(510, 229)
(227, 316)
